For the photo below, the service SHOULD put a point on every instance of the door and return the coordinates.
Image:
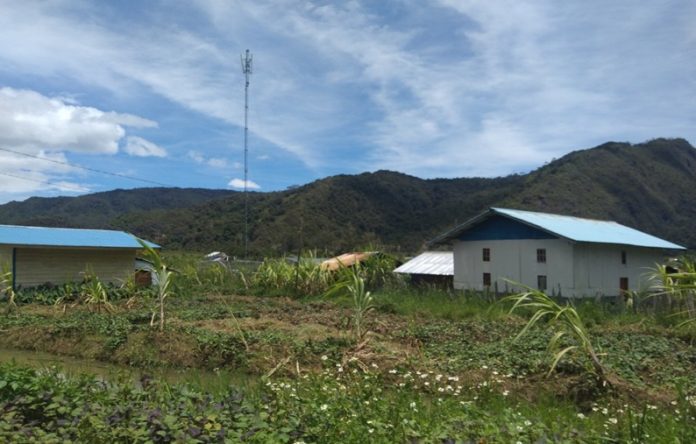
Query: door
(623, 285)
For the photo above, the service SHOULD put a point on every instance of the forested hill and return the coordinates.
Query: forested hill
(649, 186)
(98, 209)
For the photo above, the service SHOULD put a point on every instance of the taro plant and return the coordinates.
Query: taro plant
(94, 293)
(163, 279)
(564, 321)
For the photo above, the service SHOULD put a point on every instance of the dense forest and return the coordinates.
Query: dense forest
(649, 186)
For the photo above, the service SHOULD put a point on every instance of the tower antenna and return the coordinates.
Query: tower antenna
(246, 59)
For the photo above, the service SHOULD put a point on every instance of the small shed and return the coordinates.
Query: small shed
(430, 268)
(40, 255)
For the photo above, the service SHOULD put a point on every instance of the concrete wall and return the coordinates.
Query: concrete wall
(598, 268)
(572, 270)
(515, 260)
(37, 266)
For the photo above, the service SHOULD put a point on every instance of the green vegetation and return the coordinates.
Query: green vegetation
(565, 322)
(439, 366)
(338, 404)
(647, 186)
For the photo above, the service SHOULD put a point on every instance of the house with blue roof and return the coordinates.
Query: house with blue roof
(560, 255)
(39, 255)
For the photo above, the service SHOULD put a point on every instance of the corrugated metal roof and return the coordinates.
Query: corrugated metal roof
(439, 263)
(573, 228)
(67, 237)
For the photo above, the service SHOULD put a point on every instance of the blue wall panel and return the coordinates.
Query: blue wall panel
(501, 228)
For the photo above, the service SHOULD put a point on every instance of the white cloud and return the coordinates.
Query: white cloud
(38, 130)
(198, 157)
(264, 157)
(239, 183)
(137, 146)
(441, 88)
(33, 122)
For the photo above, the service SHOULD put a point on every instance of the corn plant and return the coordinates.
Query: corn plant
(678, 283)
(164, 280)
(7, 288)
(363, 302)
(564, 320)
(94, 293)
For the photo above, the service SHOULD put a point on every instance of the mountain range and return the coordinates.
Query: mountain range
(650, 186)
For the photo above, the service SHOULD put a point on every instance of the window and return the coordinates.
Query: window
(486, 279)
(623, 257)
(541, 255)
(486, 254)
(541, 283)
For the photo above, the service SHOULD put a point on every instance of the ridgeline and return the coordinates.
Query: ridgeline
(649, 186)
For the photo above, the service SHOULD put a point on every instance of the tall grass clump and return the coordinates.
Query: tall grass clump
(303, 278)
(677, 281)
(564, 322)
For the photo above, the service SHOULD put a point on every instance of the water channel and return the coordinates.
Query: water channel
(206, 380)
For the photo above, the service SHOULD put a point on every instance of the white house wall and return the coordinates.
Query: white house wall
(515, 260)
(598, 268)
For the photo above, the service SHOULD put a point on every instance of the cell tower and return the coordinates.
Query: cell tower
(246, 59)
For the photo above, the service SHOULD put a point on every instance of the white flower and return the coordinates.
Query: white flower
(527, 422)
(413, 405)
(323, 407)
(392, 371)
(370, 430)
(613, 420)
(581, 416)
(605, 411)
(505, 392)
(324, 358)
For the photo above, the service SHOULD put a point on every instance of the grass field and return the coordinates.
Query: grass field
(434, 366)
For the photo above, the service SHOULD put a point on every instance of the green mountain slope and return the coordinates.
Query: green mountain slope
(99, 209)
(649, 186)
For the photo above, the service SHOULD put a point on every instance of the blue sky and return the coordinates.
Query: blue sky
(442, 88)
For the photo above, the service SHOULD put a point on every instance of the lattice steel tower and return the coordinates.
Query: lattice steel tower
(246, 59)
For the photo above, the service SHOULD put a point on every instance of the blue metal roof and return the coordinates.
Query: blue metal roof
(67, 237)
(572, 228)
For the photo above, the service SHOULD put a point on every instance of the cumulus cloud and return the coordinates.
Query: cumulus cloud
(137, 146)
(239, 184)
(198, 157)
(38, 130)
(33, 122)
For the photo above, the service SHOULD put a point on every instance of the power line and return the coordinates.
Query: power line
(94, 170)
(43, 182)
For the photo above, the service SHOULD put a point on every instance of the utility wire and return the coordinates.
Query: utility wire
(43, 182)
(94, 170)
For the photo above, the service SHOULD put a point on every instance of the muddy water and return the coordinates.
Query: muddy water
(210, 381)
